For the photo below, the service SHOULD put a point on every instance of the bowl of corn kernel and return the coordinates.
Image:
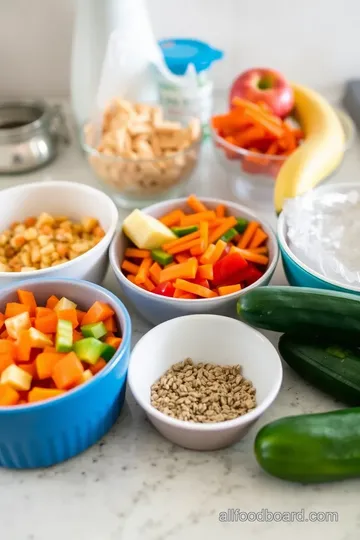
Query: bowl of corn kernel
(138, 155)
(55, 229)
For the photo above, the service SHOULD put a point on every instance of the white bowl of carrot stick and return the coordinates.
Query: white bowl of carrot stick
(229, 250)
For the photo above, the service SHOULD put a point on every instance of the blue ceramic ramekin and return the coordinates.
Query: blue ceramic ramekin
(300, 275)
(48, 432)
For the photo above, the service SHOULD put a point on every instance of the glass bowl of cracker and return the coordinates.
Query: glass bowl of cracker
(138, 155)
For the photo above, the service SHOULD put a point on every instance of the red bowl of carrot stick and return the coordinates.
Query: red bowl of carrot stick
(220, 250)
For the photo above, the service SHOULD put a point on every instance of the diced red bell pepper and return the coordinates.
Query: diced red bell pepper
(165, 289)
(253, 274)
(228, 267)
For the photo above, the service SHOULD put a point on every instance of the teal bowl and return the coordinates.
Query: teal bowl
(299, 274)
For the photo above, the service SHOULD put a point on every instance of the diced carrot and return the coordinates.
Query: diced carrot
(8, 396)
(134, 253)
(220, 211)
(183, 270)
(154, 272)
(95, 368)
(13, 308)
(7, 347)
(52, 349)
(248, 234)
(98, 312)
(52, 301)
(41, 394)
(181, 258)
(29, 368)
(180, 241)
(110, 324)
(6, 360)
(210, 250)
(251, 256)
(80, 315)
(222, 229)
(113, 341)
(195, 219)
(143, 271)
(69, 315)
(259, 237)
(47, 323)
(205, 271)
(184, 247)
(229, 289)
(42, 311)
(130, 267)
(67, 371)
(173, 218)
(77, 336)
(27, 298)
(195, 204)
(194, 288)
(204, 235)
(23, 348)
(216, 254)
(45, 363)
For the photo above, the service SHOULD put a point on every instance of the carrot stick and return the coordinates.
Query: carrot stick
(172, 218)
(181, 257)
(266, 121)
(195, 219)
(183, 270)
(250, 136)
(220, 211)
(250, 255)
(216, 254)
(148, 284)
(132, 278)
(261, 250)
(221, 229)
(184, 295)
(143, 271)
(229, 289)
(204, 235)
(135, 253)
(182, 240)
(205, 271)
(196, 251)
(259, 237)
(154, 272)
(130, 267)
(184, 247)
(210, 250)
(273, 148)
(193, 288)
(248, 234)
(195, 204)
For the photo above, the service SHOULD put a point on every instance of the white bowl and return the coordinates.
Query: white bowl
(156, 308)
(61, 198)
(204, 338)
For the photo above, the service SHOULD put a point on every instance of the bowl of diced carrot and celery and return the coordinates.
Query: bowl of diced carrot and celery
(192, 255)
(64, 350)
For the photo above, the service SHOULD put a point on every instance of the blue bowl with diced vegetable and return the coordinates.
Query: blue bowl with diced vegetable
(51, 412)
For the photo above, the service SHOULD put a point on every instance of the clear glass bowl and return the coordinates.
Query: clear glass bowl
(251, 175)
(135, 183)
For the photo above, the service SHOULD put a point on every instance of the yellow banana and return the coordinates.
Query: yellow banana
(321, 152)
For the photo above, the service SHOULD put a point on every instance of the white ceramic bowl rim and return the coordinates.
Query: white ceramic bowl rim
(126, 337)
(283, 242)
(218, 426)
(74, 186)
(199, 301)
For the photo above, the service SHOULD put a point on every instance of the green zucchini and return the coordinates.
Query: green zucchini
(303, 311)
(311, 448)
(333, 369)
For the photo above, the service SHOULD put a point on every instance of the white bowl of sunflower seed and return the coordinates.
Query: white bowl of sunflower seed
(203, 380)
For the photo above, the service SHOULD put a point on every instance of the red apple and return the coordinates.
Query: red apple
(266, 85)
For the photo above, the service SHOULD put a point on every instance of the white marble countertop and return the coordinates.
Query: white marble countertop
(134, 485)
